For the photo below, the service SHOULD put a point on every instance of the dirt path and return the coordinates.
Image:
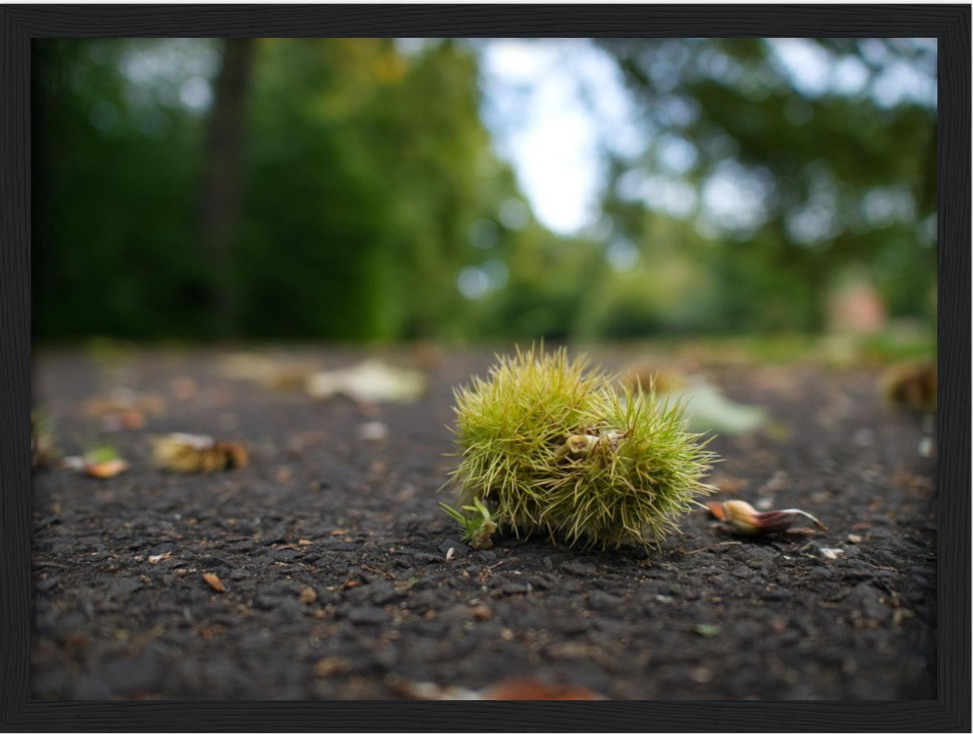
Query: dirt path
(339, 581)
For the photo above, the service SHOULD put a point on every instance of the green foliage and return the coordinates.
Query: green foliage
(100, 453)
(113, 196)
(478, 526)
(552, 446)
(358, 193)
(367, 172)
(839, 177)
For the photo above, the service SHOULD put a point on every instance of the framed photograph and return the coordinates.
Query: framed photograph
(485, 367)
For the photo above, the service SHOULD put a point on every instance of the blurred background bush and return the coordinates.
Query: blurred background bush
(372, 189)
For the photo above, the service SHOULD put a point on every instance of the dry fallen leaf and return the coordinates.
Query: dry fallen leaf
(532, 689)
(372, 431)
(911, 385)
(326, 667)
(102, 462)
(511, 689)
(277, 373)
(371, 381)
(743, 519)
(214, 582)
(190, 453)
(105, 469)
(124, 409)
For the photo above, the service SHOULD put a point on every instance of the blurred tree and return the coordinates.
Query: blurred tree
(377, 161)
(222, 182)
(345, 212)
(113, 207)
(806, 155)
(440, 177)
(365, 200)
(549, 287)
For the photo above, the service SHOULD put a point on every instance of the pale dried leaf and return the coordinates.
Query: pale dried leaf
(191, 453)
(214, 582)
(106, 469)
(371, 381)
(533, 689)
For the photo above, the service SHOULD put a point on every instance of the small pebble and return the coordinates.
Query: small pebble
(373, 431)
(701, 675)
(926, 446)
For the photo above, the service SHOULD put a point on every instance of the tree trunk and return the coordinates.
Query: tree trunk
(221, 185)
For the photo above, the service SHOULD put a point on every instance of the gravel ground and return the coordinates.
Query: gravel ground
(342, 579)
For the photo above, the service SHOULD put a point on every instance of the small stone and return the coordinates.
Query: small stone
(701, 675)
(459, 548)
(579, 569)
(336, 664)
(742, 572)
(602, 601)
(373, 431)
(368, 615)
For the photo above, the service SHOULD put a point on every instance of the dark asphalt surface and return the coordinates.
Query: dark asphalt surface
(339, 581)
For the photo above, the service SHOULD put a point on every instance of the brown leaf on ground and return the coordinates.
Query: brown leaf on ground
(274, 372)
(190, 454)
(371, 381)
(511, 689)
(912, 386)
(534, 689)
(106, 469)
(101, 463)
(124, 409)
(214, 582)
(743, 519)
(334, 665)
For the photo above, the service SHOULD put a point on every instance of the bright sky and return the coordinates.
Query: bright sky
(551, 103)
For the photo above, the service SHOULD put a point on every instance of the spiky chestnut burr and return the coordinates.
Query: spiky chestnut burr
(551, 446)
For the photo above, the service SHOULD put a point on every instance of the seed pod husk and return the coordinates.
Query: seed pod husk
(744, 519)
(555, 448)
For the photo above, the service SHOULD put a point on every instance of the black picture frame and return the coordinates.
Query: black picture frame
(950, 24)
